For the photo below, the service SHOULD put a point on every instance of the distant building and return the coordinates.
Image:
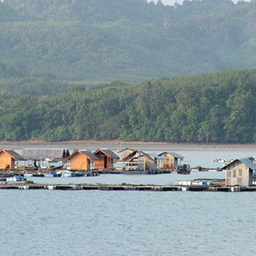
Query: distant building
(43, 158)
(139, 161)
(105, 160)
(81, 160)
(42, 153)
(148, 162)
(239, 172)
(8, 159)
(171, 160)
(127, 154)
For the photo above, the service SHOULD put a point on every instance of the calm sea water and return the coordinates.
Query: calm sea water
(128, 222)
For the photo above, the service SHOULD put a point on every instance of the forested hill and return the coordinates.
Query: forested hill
(128, 40)
(209, 108)
(7, 14)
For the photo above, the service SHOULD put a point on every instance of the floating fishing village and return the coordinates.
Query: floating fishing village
(16, 169)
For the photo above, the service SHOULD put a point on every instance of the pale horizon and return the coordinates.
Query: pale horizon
(172, 2)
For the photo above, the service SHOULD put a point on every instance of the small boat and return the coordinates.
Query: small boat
(183, 169)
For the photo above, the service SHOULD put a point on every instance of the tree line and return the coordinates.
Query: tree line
(209, 108)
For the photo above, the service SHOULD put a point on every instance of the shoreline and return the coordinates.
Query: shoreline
(119, 145)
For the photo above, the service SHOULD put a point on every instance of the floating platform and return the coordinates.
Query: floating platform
(126, 187)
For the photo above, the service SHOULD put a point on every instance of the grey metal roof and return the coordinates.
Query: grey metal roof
(108, 152)
(173, 154)
(41, 153)
(89, 154)
(245, 161)
(15, 154)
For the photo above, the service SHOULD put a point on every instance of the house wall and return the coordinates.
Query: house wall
(80, 162)
(168, 162)
(6, 159)
(238, 174)
(104, 162)
(145, 162)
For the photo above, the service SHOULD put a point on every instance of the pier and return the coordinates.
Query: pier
(125, 187)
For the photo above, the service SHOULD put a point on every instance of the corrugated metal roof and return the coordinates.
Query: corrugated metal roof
(245, 161)
(173, 154)
(89, 154)
(248, 163)
(14, 154)
(41, 153)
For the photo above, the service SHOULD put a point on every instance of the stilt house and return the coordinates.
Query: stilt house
(82, 160)
(43, 158)
(8, 159)
(171, 160)
(105, 160)
(239, 172)
(140, 161)
(127, 154)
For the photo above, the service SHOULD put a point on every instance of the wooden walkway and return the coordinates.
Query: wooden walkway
(124, 187)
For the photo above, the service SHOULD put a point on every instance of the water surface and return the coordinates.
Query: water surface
(127, 223)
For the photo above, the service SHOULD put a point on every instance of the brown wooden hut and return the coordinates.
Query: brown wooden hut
(106, 159)
(81, 160)
(8, 159)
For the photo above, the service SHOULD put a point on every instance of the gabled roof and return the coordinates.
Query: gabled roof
(131, 155)
(107, 152)
(173, 154)
(126, 149)
(141, 154)
(89, 154)
(14, 154)
(245, 161)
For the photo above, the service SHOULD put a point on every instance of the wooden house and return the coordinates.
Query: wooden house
(148, 162)
(105, 160)
(82, 160)
(239, 172)
(8, 159)
(127, 154)
(171, 160)
(140, 161)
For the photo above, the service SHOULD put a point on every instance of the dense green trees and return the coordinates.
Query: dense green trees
(47, 45)
(124, 40)
(218, 107)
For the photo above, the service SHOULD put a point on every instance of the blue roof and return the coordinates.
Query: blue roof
(248, 163)
(245, 161)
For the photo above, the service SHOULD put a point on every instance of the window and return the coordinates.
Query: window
(234, 173)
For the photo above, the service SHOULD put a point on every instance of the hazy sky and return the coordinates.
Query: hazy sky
(171, 2)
